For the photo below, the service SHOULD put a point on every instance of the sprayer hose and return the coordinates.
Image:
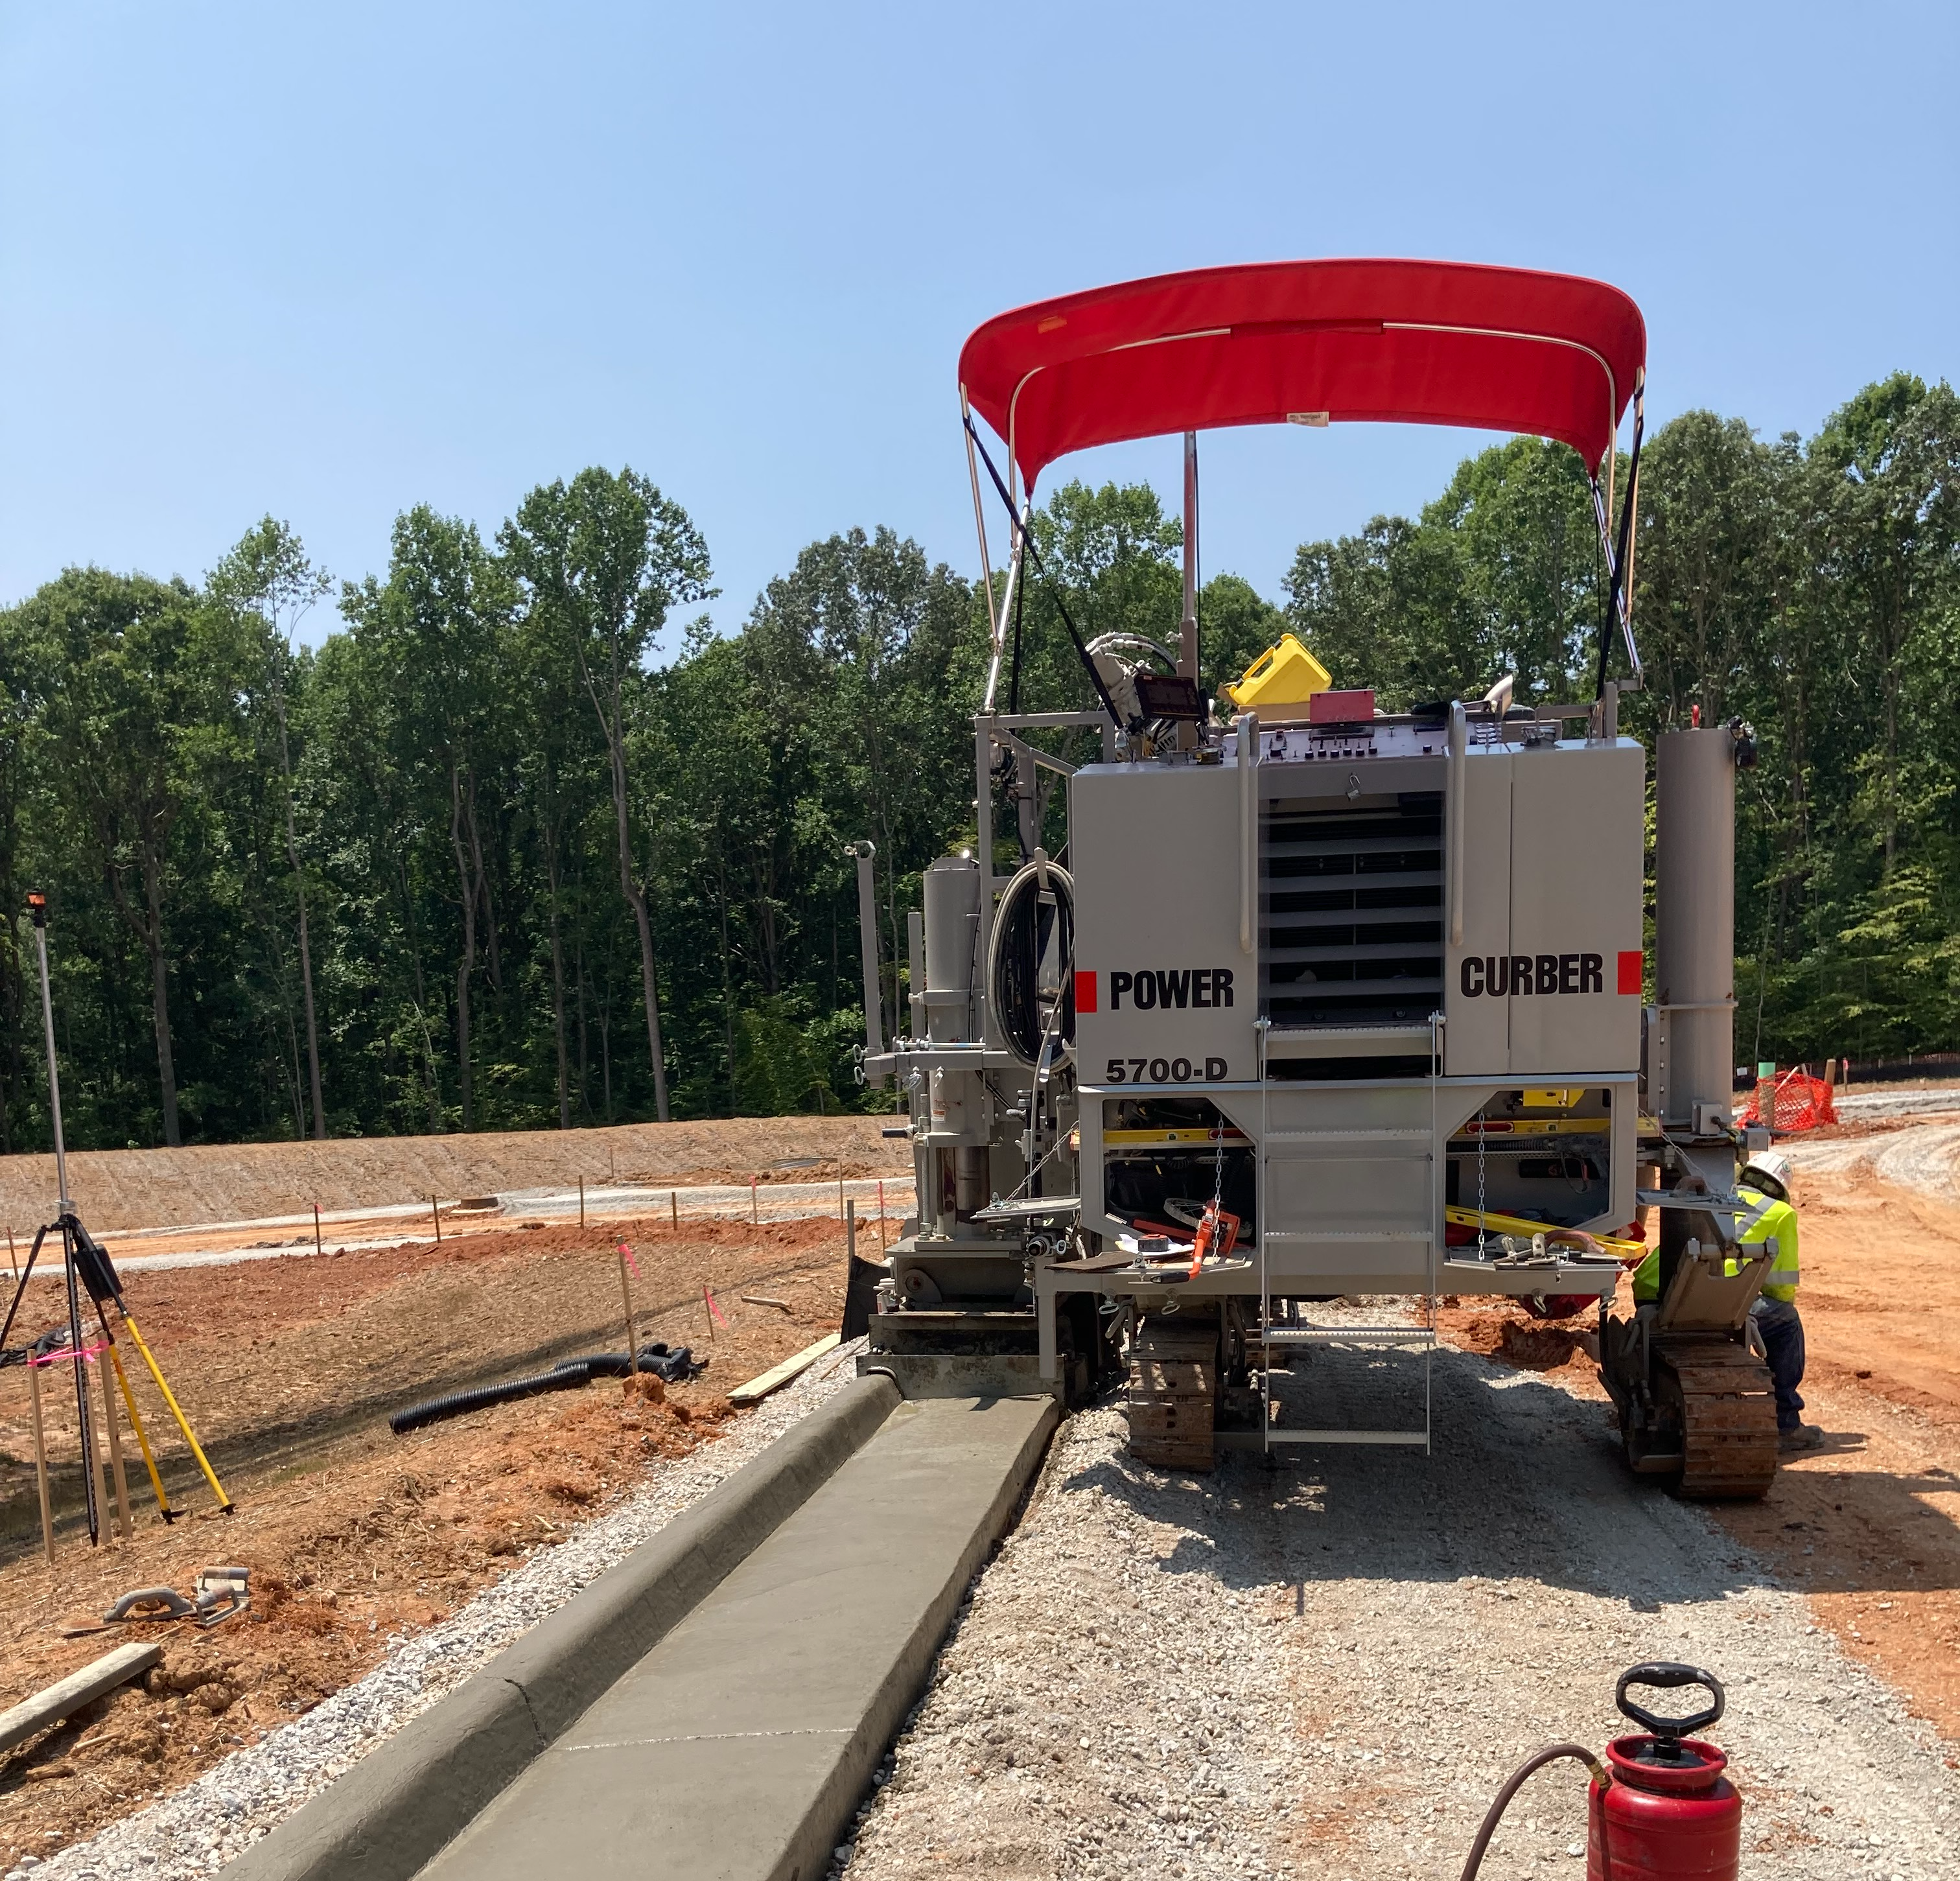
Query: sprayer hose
(1515, 1781)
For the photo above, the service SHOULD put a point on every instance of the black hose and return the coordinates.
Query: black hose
(1023, 930)
(1515, 1781)
(672, 1368)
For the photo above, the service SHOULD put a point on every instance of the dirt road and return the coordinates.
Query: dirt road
(147, 1188)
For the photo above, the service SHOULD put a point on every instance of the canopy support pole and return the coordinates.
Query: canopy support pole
(980, 523)
(1620, 554)
(1187, 648)
(1019, 527)
(1187, 661)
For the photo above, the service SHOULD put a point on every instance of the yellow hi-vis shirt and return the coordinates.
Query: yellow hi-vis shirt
(1761, 1220)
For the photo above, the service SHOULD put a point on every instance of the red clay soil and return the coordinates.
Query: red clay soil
(289, 1369)
(1869, 1524)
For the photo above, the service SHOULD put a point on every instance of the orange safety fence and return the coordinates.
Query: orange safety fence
(1801, 1102)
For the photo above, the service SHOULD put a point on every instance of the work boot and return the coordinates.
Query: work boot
(1798, 1436)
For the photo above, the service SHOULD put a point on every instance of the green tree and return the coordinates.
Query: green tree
(602, 561)
(268, 577)
(440, 627)
(142, 711)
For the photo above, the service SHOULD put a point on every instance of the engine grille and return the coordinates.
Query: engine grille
(1352, 913)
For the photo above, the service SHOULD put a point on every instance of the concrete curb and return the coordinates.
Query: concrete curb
(389, 1815)
(830, 1816)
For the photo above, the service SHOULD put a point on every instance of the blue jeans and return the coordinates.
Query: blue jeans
(1782, 1338)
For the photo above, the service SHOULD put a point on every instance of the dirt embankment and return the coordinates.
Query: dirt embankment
(289, 1369)
(247, 1181)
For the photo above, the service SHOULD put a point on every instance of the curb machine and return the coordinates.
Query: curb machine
(1315, 1001)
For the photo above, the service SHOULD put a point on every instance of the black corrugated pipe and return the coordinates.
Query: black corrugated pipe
(672, 1368)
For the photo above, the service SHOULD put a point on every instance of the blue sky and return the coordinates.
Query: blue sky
(331, 262)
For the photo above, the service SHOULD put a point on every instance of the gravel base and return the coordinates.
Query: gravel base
(205, 1824)
(1327, 1669)
(1924, 1155)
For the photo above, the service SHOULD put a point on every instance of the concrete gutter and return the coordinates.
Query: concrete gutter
(389, 1815)
(739, 1747)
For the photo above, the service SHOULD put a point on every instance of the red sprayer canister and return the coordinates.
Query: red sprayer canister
(1659, 1808)
(1667, 1809)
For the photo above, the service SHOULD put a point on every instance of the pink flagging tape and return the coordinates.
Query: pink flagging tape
(707, 1294)
(626, 1253)
(68, 1353)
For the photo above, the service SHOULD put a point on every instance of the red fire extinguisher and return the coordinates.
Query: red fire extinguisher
(1659, 1809)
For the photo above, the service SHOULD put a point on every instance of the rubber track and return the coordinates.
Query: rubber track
(1729, 1420)
(1173, 1397)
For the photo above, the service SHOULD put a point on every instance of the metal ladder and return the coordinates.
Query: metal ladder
(1423, 1336)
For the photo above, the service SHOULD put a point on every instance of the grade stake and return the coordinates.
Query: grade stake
(41, 1458)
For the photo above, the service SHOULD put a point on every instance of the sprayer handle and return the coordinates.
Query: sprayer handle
(1666, 1674)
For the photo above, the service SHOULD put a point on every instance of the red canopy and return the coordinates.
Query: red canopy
(1422, 342)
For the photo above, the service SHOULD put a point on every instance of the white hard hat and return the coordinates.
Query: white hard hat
(1770, 1165)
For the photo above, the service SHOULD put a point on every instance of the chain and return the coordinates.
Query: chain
(1482, 1139)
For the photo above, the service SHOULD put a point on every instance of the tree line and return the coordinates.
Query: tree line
(522, 841)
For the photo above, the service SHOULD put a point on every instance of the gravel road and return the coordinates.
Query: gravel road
(203, 1825)
(1327, 1669)
(1925, 1157)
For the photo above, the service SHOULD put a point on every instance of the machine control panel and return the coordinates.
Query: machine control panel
(1307, 744)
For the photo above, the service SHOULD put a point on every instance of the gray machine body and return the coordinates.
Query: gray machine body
(1421, 987)
(1356, 984)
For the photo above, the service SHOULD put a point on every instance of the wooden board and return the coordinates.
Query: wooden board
(779, 1376)
(32, 1716)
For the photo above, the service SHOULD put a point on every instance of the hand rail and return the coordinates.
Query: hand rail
(1459, 738)
(1248, 833)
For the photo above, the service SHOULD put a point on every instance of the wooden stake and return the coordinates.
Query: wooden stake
(708, 1306)
(96, 1449)
(10, 1261)
(881, 1217)
(755, 1217)
(840, 1189)
(437, 1214)
(633, 1334)
(317, 1247)
(673, 1208)
(581, 1201)
(850, 1237)
(41, 1462)
(116, 1451)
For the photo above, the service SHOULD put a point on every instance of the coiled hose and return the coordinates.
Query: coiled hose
(1024, 930)
(673, 1368)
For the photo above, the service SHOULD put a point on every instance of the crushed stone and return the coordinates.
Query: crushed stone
(1328, 1668)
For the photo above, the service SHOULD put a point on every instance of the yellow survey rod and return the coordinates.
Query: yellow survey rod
(136, 1422)
(142, 1438)
(170, 1515)
(1633, 1251)
(177, 1412)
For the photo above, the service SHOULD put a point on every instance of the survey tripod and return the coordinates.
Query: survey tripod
(86, 1269)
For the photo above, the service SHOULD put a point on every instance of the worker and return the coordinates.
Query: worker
(1767, 1216)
